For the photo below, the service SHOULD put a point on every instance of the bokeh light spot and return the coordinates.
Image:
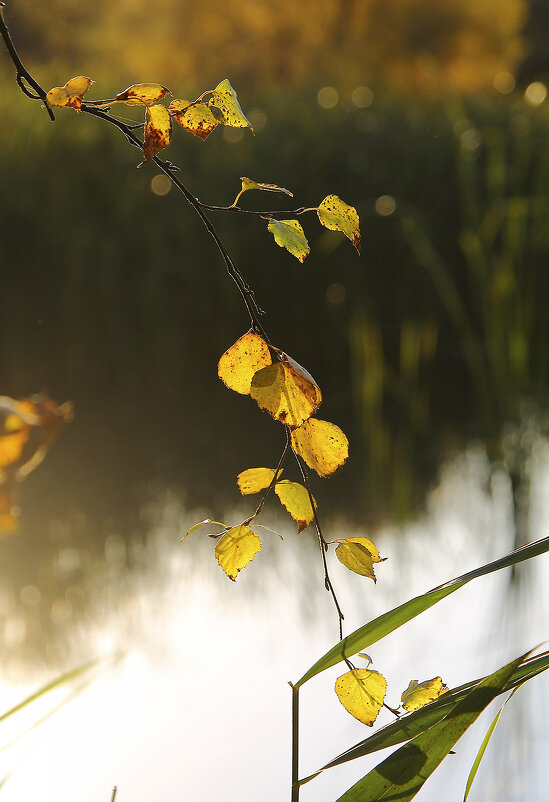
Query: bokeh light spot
(161, 184)
(232, 135)
(504, 82)
(362, 97)
(535, 93)
(258, 119)
(336, 294)
(385, 205)
(328, 97)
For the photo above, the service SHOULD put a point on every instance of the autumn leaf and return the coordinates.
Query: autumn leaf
(286, 391)
(158, 130)
(142, 94)
(9, 511)
(358, 554)
(289, 234)
(322, 445)
(249, 183)
(419, 694)
(336, 215)
(296, 499)
(242, 360)
(253, 480)
(361, 692)
(224, 100)
(71, 94)
(197, 119)
(236, 549)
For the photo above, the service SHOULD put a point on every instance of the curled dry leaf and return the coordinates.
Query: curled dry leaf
(286, 391)
(225, 103)
(198, 119)
(419, 694)
(295, 498)
(142, 94)
(254, 480)
(362, 692)
(323, 446)
(205, 522)
(158, 130)
(358, 554)
(71, 94)
(249, 183)
(289, 234)
(337, 215)
(236, 549)
(242, 360)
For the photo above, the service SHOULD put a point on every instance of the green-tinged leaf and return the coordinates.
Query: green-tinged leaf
(249, 183)
(407, 727)
(253, 480)
(236, 549)
(358, 554)
(388, 622)
(337, 215)
(483, 746)
(295, 498)
(197, 119)
(289, 234)
(205, 522)
(402, 775)
(225, 102)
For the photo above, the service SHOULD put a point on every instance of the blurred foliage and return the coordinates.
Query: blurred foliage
(419, 44)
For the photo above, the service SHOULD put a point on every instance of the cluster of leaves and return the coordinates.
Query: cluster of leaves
(200, 117)
(287, 392)
(27, 430)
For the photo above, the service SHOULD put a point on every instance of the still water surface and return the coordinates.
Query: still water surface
(199, 707)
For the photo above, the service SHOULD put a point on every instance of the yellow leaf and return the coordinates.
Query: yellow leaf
(419, 694)
(197, 119)
(322, 445)
(296, 499)
(289, 234)
(158, 130)
(358, 554)
(361, 692)
(224, 100)
(336, 215)
(238, 365)
(142, 94)
(286, 391)
(254, 480)
(9, 512)
(236, 549)
(71, 94)
(249, 183)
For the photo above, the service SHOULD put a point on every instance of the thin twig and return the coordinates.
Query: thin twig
(114, 790)
(272, 482)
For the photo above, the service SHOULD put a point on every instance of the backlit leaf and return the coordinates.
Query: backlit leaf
(158, 130)
(236, 549)
(286, 391)
(361, 692)
(197, 119)
(142, 94)
(296, 499)
(419, 694)
(71, 94)
(238, 365)
(322, 445)
(289, 234)
(225, 101)
(358, 554)
(253, 480)
(337, 215)
(249, 183)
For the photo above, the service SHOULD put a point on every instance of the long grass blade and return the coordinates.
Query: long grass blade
(363, 637)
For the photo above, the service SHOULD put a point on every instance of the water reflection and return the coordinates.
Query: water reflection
(199, 708)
